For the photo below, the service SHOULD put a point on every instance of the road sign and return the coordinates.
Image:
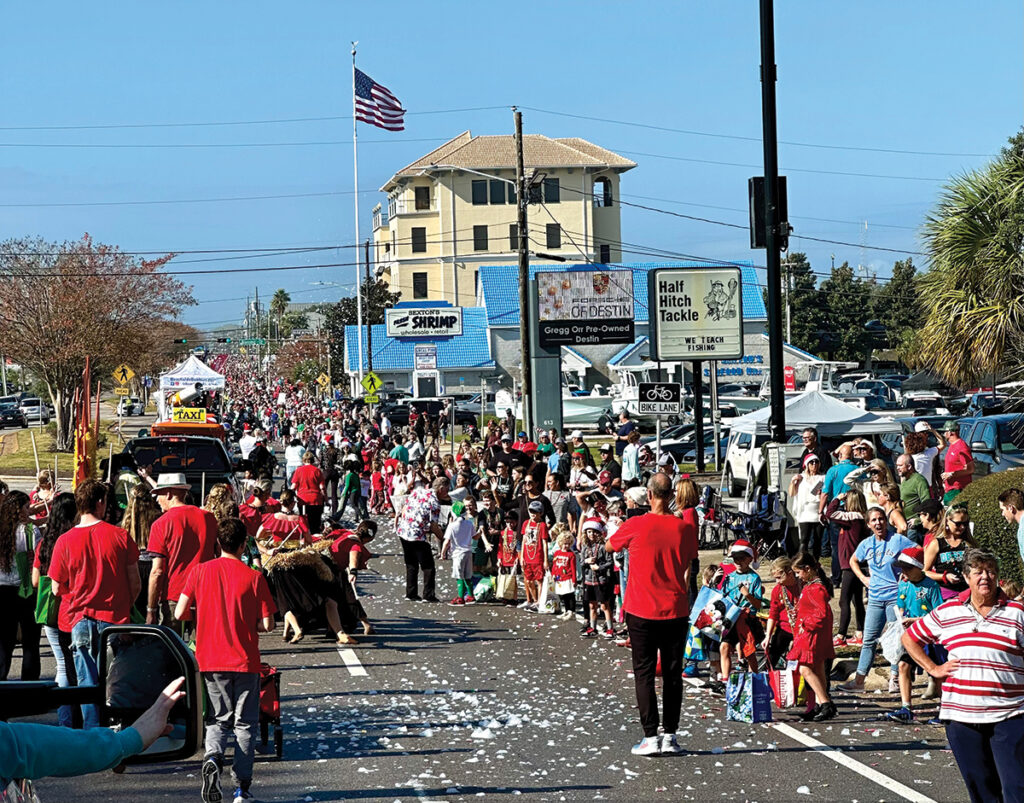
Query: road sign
(323, 380)
(371, 398)
(371, 382)
(242, 351)
(188, 415)
(254, 341)
(121, 391)
(659, 398)
(123, 374)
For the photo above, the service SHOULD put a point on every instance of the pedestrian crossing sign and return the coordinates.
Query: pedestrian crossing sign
(371, 398)
(123, 374)
(372, 383)
(323, 380)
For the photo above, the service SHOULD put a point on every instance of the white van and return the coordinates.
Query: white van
(743, 460)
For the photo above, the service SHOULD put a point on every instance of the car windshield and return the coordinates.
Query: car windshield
(1011, 436)
(179, 454)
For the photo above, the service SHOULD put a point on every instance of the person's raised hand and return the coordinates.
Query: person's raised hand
(153, 723)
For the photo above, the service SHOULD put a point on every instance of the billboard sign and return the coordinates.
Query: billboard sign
(578, 308)
(425, 356)
(423, 321)
(696, 313)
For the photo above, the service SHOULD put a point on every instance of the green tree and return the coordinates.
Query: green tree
(799, 288)
(278, 304)
(845, 306)
(376, 298)
(972, 297)
(293, 320)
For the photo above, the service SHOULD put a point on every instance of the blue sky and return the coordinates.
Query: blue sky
(913, 76)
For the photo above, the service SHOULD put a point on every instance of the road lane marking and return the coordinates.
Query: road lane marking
(839, 757)
(352, 662)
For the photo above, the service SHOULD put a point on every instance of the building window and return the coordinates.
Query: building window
(480, 193)
(419, 285)
(419, 239)
(551, 191)
(554, 239)
(534, 194)
(511, 193)
(392, 207)
(513, 237)
(476, 284)
(479, 238)
(602, 192)
(497, 191)
(422, 198)
(606, 254)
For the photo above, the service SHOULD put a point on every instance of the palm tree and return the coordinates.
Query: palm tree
(278, 304)
(972, 295)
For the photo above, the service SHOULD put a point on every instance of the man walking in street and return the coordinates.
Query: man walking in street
(417, 521)
(181, 538)
(94, 570)
(914, 492)
(662, 548)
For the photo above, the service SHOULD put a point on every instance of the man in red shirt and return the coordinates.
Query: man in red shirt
(308, 484)
(181, 538)
(662, 548)
(958, 463)
(94, 570)
(233, 604)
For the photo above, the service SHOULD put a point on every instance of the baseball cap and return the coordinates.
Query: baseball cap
(536, 506)
(604, 476)
(912, 556)
(921, 426)
(637, 495)
(544, 436)
(606, 447)
(576, 434)
(665, 460)
(522, 435)
(951, 426)
(506, 438)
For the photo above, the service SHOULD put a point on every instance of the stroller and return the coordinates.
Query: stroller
(270, 707)
(712, 519)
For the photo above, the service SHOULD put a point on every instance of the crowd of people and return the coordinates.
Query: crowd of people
(606, 537)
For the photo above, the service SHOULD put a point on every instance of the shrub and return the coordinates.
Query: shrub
(990, 528)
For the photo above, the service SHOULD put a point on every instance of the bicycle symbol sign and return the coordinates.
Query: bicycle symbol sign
(659, 398)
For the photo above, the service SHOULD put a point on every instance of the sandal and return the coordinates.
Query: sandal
(368, 629)
(346, 639)
(297, 637)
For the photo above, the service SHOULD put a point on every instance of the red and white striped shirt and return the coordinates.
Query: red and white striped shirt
(988, 685)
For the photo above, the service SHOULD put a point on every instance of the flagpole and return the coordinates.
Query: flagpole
(355, 179)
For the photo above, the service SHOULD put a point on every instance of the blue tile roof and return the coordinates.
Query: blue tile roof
(472, 350)
(625, 351)
(500, 287)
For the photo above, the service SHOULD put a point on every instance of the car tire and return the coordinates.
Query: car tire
(730, 482)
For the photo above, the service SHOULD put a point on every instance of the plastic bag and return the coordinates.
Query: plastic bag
(484, 590)
(891, 641)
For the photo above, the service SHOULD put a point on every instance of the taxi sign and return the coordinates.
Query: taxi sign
(371, 382)
(371, 398)
(188, 415)
(323, 380)
(121, 391)
(123, 374)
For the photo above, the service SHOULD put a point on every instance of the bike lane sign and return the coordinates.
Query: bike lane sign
(659, 398)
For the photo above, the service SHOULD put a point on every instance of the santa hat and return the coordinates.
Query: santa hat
(912, 556)
(594, 524)
(742, 545)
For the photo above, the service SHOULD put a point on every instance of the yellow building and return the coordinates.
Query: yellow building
(443, 220)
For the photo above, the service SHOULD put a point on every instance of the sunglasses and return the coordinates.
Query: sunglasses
(958, 524)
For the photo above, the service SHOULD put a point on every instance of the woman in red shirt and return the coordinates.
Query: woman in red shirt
(308, 484)
(812, 641)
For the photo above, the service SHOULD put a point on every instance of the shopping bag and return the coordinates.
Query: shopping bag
(563, 587)
(748, 697)
(789, 689)
(546, 602)
(484, 590)
(891, 641)
(506, 587)
(695, 650)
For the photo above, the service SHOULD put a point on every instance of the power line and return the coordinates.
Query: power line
(189, 145)
(161, 201)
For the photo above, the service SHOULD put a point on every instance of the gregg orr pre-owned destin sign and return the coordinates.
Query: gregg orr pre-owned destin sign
(423, 321)
(577, 308)
(696, 313)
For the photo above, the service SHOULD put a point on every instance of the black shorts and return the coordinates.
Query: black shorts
(602, 594)
(753, 624)
(906, 659)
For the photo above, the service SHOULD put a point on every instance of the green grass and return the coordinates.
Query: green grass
(19, 457)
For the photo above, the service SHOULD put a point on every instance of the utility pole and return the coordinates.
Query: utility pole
(369, 329)
(522, 198)
(771, 222)
(789, 310)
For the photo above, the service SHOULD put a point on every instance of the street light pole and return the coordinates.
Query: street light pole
(369, 325)
(771, 222)
(526, 385)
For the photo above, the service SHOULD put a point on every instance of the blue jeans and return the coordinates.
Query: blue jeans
(85, 649)
(53, 639)
(991, 758)
(875, 617)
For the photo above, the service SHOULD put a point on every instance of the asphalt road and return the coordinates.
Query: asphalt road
(460, 703)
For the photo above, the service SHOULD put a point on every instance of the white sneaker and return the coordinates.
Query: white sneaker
(670, 745)
(894, 683)
(647, 747)
(522, 604)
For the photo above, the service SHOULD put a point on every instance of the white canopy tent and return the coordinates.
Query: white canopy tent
(186, 376)
(829, 415)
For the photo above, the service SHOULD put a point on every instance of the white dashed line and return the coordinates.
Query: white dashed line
(355, 667)
(841, 758)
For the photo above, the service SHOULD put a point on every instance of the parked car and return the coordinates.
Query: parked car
(12, 416)
(35, 410)
(129, 406)
(399, 412)
(996, 441)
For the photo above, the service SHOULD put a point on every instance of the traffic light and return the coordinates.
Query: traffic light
(181, 340)
(223, 339)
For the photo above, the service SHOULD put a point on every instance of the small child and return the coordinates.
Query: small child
(458, 541)
(378, 504)
(916, 596)
(563, 570)
(702, 644)
(508, 553)
(533, 556)
(598, 578)
(742, 587)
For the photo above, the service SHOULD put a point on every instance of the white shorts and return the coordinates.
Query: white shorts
(462, 564)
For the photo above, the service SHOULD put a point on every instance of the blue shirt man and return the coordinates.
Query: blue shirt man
(833, 484)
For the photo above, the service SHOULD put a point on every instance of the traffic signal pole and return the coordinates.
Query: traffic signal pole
(772, 237)
(522, 196)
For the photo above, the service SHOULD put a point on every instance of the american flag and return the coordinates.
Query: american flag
(376, 105)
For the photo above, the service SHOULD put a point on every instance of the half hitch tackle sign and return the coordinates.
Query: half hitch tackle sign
(696, 313)
(577, 308)
(424, 321)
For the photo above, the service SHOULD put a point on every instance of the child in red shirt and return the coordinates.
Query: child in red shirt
(508, 551)
(533, 556)
(233, 603)
(378, 504)
(563, 570)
